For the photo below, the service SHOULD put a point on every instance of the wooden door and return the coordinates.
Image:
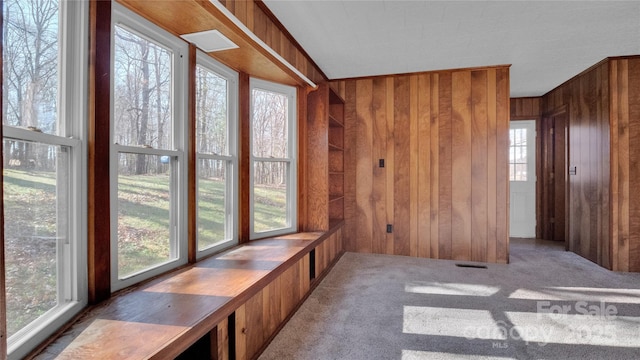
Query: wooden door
(555, 172)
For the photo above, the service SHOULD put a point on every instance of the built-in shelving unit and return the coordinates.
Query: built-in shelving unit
(336, 158)
(325, 149)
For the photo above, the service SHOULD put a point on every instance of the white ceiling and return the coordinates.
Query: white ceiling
(547, 42)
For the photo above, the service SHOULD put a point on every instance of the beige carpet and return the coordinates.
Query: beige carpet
(392, 307)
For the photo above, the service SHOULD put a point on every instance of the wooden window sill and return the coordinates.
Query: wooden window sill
(163, 317)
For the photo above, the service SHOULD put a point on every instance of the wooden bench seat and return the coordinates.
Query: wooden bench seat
(162, 318)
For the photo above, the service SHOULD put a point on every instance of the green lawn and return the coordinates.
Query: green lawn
(143, 231)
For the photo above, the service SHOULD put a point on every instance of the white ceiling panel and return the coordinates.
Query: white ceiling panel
(547, 42)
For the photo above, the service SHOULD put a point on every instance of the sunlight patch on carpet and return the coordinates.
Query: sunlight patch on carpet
(438, 288)
(423, 355)
(463, 323)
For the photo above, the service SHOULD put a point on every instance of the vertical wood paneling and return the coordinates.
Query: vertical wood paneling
(633, 68)
(413, 165)
(223, 340)
(601, 145)
(350, 165)
(271, 307)
(241, 333)
(440, 188)
(254, 325)
(422, 186)
(364, 97)
(444, 167)
(614, 136)
(379, 151)
(244, 122)
(390, 164)
(502, 158)
(492, 166)
(434, 169)
(461, 166)
(402, 166)
(98, 217)
(479, 166)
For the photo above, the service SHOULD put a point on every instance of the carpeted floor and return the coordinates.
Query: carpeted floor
(546, 304)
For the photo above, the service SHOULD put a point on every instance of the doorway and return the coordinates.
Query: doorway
(522, 179)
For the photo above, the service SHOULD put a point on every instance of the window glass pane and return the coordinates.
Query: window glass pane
(212, 193)
(144, 216)
(270, 195)
(30, 60)
(521, 172)
(211, 113)
(142, 92)
(35, 195)
(269, 119)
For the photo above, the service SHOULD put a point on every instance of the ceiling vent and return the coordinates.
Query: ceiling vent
(210, 41)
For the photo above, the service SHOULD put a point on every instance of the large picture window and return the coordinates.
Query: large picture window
(273, 157)
(44, 53)
(216, 129)
(147, 154)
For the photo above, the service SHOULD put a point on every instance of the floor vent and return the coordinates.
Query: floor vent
(472, 266)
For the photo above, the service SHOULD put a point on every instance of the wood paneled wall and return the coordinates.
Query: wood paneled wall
(444, 188)
(525, 108)
(257, 17)
(624, 111)
(586, 98)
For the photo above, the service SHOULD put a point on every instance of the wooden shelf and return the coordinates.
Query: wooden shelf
(253, 56)
(325, 120)
(333, 122)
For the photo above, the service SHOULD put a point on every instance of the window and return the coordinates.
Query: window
(216, 129)
(44, 53)
(273, 159)
(148, 167)
(518, 154)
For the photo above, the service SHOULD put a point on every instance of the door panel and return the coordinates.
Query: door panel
(522, 178)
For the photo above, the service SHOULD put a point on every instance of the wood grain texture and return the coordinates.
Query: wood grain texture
(634, 163)
(461, 166)
(317, 127)
(379, 181)
(444, 167)
(443, 131)
(479, 166)
(303, 150)
(402, 166)
(350, 162)
(590, 111)
(492, 166)
(244, 157)
(364, 96)
(223, 340)
(423, 166)
(502, 159)
(98, 187)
